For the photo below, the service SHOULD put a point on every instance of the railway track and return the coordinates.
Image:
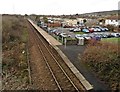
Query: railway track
(63, 80)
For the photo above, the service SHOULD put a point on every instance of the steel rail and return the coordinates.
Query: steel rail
(57, 63)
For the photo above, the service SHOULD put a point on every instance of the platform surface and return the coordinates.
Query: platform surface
(48, 37)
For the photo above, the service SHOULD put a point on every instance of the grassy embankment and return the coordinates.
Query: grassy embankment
(14, 44)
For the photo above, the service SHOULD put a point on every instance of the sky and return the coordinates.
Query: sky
(56, 7)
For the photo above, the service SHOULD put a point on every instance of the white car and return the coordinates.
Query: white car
(115, 34)
(96, 29)
(77, 30)
(64, 35)
(78, 36)
(71, 29)
(86, 36)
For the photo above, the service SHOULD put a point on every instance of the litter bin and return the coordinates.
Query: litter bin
(81, 41)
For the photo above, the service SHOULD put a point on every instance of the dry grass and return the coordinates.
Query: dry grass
(14, 39)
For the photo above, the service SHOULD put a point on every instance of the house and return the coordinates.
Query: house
(70, 22)
(112, 21)
(89, 21)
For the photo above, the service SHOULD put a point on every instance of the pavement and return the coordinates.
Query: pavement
(72, 52)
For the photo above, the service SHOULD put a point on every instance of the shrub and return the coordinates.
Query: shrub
(111, 27)
(103, 59)
(14, 38)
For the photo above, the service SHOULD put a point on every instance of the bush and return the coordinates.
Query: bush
(14, 39)
(103, 59)
(111, 27)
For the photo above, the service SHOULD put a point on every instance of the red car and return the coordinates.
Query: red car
(91, 30)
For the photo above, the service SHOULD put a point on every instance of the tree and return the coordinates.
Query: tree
(37, 18)
(76, 14)
(102, 21)
(45, 19)
(26, 15)
(84, 21)
(111, 27)
(78, 22)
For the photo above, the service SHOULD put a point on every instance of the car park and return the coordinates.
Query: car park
(89, 32)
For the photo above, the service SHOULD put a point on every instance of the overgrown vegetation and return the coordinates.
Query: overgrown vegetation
(104, 60)
(14, 44)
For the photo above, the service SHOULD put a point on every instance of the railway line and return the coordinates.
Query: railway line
(63, 77)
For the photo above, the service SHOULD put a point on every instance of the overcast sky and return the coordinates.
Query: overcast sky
(56, 7)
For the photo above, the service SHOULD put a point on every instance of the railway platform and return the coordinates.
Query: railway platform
(48, 37)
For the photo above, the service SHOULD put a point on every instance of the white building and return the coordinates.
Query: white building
(70, 21)
(114, 22)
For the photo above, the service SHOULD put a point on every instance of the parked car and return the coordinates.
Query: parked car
(54, 30)
(71, 29)
(64, 35)
(97, 29)
(109, 35)
(57, 32)
(106, 29)
(76, 30)
(115, 34)
(91, 30)
(85, 30)
(78, 36)
(102, 28)
(103, 36)
(86, 36)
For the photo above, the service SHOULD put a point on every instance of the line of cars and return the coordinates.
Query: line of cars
(89, 32)
(58, 33)
(89, 29)
(97, 35)
(53, 31)
(87, 36)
